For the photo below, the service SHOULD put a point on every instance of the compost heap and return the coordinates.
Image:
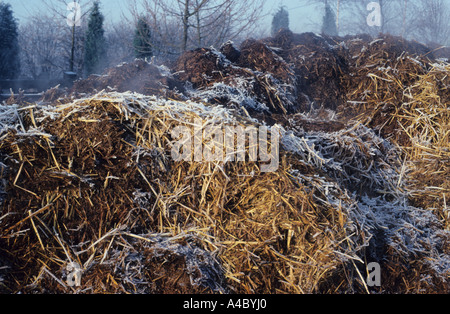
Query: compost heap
(88, 178)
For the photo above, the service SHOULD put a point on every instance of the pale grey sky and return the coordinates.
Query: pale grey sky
(302, 17)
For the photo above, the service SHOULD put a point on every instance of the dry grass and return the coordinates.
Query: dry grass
(407, 101)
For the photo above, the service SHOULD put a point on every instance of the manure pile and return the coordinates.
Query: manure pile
(90, 192)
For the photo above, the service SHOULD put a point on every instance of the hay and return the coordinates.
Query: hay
(97, 172)
(405, 98)
(89, 179)
(426, 120)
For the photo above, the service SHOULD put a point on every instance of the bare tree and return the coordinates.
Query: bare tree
(41, 50)
(179, 25)
(404, 15)
(48, 46)
(72, 13)
(119, 38)
(355, 18)
(432, 22)
(422, 20)
(337, 6)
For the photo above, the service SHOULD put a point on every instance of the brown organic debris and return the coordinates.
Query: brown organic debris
(88, 178)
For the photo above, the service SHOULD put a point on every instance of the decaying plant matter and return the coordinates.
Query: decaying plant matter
(363, 175)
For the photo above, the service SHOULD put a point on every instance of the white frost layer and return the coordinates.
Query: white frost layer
(9, 118)
(358, 158)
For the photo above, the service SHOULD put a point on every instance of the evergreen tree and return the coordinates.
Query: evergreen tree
(95, 50)
(142, 40)
(329, 22)
(280, 20)
(9, 45)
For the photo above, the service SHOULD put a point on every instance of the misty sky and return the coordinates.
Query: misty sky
(302, 17)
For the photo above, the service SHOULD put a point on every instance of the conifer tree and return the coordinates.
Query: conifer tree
(142, 40)
(9, 45)
(280, 21)
(329, 22)
(95, 50)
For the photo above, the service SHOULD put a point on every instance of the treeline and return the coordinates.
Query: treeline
(55, 40)
(427, 21)
(47, 45)
(52, 41)
(9, 44)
